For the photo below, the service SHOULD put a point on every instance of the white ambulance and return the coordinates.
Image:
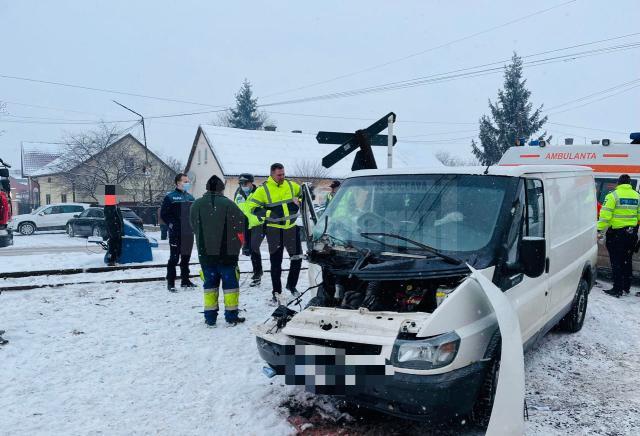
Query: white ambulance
(608, 161)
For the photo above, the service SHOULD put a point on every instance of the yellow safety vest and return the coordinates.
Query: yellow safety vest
(244, 205)
(278, 202)
(620, 209)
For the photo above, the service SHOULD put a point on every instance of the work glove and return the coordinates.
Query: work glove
(601, 236)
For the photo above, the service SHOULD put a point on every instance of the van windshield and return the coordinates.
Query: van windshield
(449, 212)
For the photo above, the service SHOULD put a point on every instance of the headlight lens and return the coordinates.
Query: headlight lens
(429, 353)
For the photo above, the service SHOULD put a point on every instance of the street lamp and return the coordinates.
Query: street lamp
(147, 168)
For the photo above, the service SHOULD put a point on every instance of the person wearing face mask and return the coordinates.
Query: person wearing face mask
(175, 213)
(254, 226)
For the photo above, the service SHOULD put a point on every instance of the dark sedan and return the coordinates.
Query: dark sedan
(91, 222)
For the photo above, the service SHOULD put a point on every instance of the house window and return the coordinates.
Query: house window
(128, 166)
(63, 198)
(48, 181)
(199, 157)
(47, 199)
(205, 155)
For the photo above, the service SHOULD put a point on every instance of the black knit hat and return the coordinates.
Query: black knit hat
(214, 184)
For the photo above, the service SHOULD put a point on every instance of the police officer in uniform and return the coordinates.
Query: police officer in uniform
(254, 226)
(175, 213)
(619, 219)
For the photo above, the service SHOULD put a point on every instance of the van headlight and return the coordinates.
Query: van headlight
(431, 353)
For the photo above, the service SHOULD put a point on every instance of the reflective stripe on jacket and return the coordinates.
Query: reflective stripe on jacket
(620, 209)
(276, 203)
(243, 202)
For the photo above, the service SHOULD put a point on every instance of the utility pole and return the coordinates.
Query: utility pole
(390, 121)
(146, 149)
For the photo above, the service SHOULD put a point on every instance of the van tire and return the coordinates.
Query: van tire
(573, 321)
(481, 412)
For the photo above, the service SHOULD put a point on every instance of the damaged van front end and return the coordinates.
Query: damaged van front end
(397, 323)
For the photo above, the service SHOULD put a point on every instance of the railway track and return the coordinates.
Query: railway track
(96, 270)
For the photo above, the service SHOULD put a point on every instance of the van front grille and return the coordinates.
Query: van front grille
(350, 348)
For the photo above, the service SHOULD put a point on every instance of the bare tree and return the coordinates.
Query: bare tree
(310, 171)
(91, 159)
(449, 160)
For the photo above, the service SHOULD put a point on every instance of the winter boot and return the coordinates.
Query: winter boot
(294, 291)
(613, 292)
(187, 284)
(210, 323)
(256, 279)
(171, 287)
(236, 321)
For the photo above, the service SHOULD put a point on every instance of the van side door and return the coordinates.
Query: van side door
(572, 236)
(529, 296)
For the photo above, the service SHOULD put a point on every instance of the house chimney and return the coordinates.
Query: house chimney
(568, 141)
(296, 131)
(270, 128)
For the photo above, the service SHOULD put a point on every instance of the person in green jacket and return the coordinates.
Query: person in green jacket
(218, 225)
(254, 226)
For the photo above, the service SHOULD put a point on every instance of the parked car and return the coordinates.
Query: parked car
(395, 295)
(91, 222)
(48, 217)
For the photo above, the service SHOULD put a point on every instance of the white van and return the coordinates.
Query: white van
(607, 160)
(396, 323)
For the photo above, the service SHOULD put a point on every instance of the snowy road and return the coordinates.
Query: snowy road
(133, 359)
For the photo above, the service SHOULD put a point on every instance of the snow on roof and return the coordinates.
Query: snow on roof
(55, 166)
(253, 151)
(36, 155)
(495, 170)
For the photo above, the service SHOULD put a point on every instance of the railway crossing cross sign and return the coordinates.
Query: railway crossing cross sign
(362, 139)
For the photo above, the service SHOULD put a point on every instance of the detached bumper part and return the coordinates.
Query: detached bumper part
(416, 397)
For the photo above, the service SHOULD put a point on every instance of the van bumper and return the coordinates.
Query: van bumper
(431, 398)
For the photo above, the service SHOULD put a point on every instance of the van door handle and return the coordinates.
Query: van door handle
(546, 265)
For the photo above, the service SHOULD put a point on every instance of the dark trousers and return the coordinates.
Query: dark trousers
(180, 247)
(256, 236)
(620, 245)
(279, 240)
(114, 248)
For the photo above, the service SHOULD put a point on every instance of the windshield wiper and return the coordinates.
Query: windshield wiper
(432, 250)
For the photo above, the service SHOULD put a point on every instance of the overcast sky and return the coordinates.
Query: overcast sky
(200, 51)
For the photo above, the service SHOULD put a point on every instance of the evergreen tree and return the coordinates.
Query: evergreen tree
(245, 115)
(511, 117)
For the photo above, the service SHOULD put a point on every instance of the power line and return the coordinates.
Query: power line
(442, 77)
(587, 128)
(384, 64)
(109, 91)
(596, 100)
(586, 97)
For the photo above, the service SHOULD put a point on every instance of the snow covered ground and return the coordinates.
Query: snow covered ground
(135, 359)
(130, 359)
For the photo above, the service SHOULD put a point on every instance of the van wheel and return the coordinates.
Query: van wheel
(573, 321)
(484, 403)
(27, 228)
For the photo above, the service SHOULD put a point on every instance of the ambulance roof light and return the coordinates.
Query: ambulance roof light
(635, 137)
(606, 142)
(568, 141)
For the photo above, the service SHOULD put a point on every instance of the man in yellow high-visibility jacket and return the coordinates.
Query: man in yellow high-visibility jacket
(619, 218)
(254, 226)
(277, 201)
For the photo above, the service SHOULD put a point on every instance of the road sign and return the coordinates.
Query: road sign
(362, 139)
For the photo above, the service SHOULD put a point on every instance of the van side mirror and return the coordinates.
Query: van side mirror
(533, 256)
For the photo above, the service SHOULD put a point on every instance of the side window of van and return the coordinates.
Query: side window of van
(534, 221)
